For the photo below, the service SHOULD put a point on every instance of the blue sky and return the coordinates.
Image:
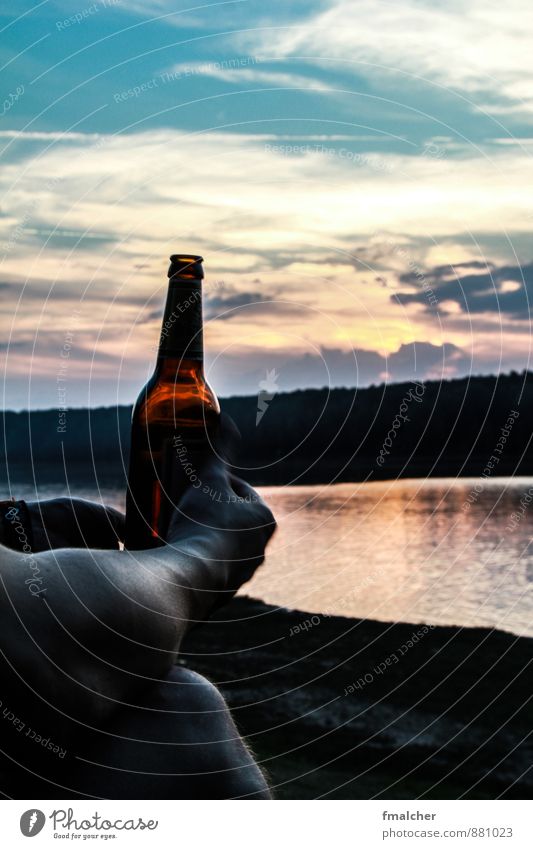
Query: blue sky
(355, 174)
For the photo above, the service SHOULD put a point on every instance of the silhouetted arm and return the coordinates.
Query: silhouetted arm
(98, 625)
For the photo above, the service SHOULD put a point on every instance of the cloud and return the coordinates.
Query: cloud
(90, 375)
(243, 76)
(505, 290)
(441, 272)
(120, 186)
(242, 306)
(253, 212)
(336, 367)
(232, 300)
(476, 47)
(40, 135)
(49, 346)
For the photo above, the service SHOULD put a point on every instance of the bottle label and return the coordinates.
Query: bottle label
(181, 331)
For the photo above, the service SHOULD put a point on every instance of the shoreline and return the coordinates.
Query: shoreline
(351, 708)
(114, 475)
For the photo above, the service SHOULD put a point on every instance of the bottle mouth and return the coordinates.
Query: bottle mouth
(186, 265)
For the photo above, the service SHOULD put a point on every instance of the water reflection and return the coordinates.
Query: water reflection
(396, 551)
(434, 551)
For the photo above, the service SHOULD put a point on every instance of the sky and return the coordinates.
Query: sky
(356, 175)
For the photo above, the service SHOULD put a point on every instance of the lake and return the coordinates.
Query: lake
(440, 551)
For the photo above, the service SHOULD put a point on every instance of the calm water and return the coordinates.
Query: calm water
(401, 551)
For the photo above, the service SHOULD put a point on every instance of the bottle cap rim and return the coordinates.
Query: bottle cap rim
(188, 265)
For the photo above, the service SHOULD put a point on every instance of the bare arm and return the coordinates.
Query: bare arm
(108, 622)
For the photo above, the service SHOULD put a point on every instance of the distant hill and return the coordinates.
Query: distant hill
(437, 428)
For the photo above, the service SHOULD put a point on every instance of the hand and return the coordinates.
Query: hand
(225, 514)
(74, 523)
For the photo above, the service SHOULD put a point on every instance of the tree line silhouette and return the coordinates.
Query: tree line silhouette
(435, 428)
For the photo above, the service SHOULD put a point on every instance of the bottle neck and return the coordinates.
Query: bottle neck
(178, 370)
(182, 327)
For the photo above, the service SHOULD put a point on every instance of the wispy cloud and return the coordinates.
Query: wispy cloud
(251, 76)
(475, 47)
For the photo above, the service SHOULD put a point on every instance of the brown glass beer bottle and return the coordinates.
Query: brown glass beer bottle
(176, 413)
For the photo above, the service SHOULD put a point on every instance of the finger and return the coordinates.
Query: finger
(84, 524)
(212, 479)
(100, 526)
(227, 439)
(243, 490)
(197, 505)
(211, 475)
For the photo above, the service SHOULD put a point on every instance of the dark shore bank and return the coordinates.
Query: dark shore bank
(352, 708)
